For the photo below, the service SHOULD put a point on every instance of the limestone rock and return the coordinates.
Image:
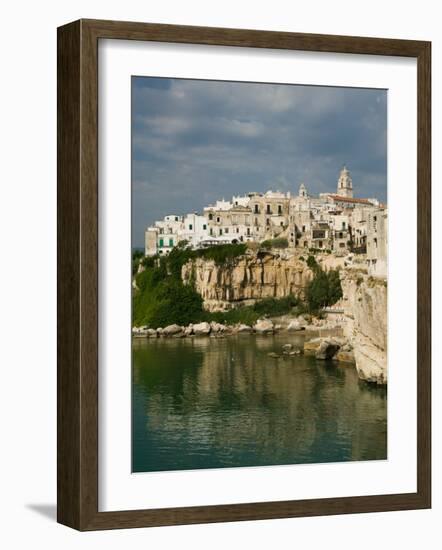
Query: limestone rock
(217, 327)
(247, 278)
(188, 331)
(365, 322)
(264, 326)
(327, 349)
(311, 346)
(345, 356)
(201, 329)
(295, 325)
(151, 333)
(171, 330)
(244, 329)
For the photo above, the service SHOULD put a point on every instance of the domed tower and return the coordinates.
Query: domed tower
(345, 185)
(302, 191)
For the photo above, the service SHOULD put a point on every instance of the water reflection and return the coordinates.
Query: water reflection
(208, 403)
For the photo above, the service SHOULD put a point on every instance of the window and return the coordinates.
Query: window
(303, 228)
(340, 235)
(305, 244)
(218, 219)
(267, 221)
(279, 209)
(343, 225)
(248, 231)
(256, 209)
(211, 231)
(341, 245)
(282, 223)
(237, 229)
(220, 230)
(226, 230)
(176, 218)
(268, 209)
(320, 244)
(204, 226)
(161, 243)
(210, 216)
(170, 242)
(190, 227)
(375, 242)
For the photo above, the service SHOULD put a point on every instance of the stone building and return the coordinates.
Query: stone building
(377, 239)
(337, 222)
(345, 184)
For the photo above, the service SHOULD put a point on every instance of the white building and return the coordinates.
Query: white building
(332, 221)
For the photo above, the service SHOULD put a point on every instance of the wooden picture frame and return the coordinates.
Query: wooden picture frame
(78, 274)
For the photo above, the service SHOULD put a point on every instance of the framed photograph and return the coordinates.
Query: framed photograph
(243, 274)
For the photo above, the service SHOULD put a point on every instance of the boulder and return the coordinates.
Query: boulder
(326, 350)
(295, 325)
(188, 331)
(345, 356)
(347, 347)
(311, 346)
(172, 330)
(201, 329)
(287, 347)
(160, 331)
(273, 355)
(264, 326)
(217, 327)
(244, 329)
(151, 333)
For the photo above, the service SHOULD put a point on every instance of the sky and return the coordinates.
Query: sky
(196, 141)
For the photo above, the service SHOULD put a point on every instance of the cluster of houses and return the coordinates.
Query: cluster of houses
(336, 222)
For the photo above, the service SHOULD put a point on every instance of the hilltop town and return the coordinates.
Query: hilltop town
(338, 223)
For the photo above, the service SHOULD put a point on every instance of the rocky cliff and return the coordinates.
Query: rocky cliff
(248, 278)
(365, 322)
(254, 276)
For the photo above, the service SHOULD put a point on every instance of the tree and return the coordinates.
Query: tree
(324, 289)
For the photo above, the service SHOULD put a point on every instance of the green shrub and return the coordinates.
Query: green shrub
(279, 242)
(324, 289)
(275, 306)
(222, 253)
(312, 263)
(272, 307)
(161, 297)
(137, 255)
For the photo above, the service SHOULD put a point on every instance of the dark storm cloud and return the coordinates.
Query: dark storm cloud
(196, 141)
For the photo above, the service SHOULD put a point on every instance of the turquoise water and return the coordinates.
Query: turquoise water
(214, 403)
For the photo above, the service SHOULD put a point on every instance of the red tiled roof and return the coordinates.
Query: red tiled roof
(348, 199)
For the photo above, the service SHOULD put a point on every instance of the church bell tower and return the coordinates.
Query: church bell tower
(345, 185)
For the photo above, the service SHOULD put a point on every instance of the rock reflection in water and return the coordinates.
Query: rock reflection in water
(210, 403)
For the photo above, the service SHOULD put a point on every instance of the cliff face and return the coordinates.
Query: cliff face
(255, 276)
(365, 324)
(247, 278)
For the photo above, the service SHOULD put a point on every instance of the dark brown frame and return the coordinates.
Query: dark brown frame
(78, 274)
